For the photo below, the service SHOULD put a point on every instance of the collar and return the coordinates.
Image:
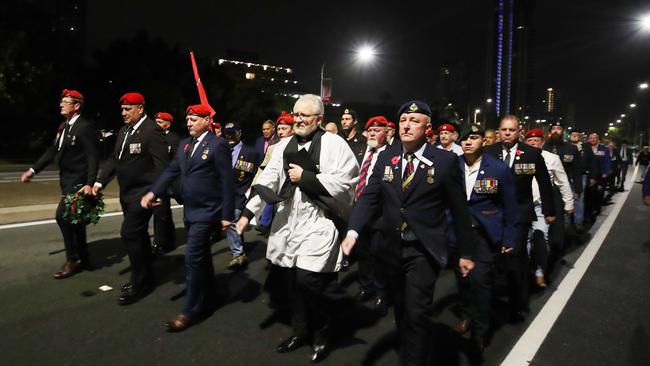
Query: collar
(200, 138)
(238, 146)
(418, 154)
(514, 147)
(73, 119)
(137, 125)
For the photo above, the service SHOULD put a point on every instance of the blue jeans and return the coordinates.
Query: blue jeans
(199, 271)
(579, 213)
(235, 242)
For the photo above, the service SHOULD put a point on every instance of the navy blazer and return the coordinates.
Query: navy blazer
(423, 206)
(495, 209)
(206, 180)
(244, 171)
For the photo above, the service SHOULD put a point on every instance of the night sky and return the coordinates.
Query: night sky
(592, 52)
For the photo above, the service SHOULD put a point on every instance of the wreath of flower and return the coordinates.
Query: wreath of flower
(82, 209)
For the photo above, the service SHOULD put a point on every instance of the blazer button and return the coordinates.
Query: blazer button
(401, 209)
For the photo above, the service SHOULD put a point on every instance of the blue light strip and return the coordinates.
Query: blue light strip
(511, 20)
(499, 57)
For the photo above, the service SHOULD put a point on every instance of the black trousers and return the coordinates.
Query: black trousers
(411, 286)
(517, 267)
(135, 235)
(319, 296)
(369, 280)
(475, 290)
(164, 231)
(622, 174)
(74, 236)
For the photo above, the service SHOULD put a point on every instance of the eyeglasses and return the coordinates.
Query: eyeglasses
(68, 102)
(303, 116)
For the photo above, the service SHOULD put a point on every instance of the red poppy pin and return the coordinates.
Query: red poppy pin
(394, 160)
(518, 152)
(186, 147)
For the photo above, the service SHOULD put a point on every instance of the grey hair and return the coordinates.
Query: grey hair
(313, 100)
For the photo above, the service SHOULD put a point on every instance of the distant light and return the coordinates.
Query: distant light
(250, 76)
(477, 111)
(449, 105)
(221, 61)
(632, 105)
(643, 86)
(526, 117)
(623, 115)
(618, 121)
(606, 134)
(569, 127)
(489, 100)
(543, 121)
(295, 96)
(289, 71)
(366, 53)
(549, 89)
(611, 124)
(72, 29)
(645, 22)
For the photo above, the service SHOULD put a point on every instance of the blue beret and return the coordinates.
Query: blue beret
(231, 127)
(414, 106)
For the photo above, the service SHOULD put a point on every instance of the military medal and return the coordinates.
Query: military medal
(74, 140)
(205, 154)
(430, 175)
(486, 186)
(388, 174)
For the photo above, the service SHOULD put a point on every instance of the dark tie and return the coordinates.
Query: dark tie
(66, 130)
(189, 151)
(363, 175)
(507, 159)
(409, 171)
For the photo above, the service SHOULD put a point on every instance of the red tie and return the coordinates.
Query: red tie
(363, 175)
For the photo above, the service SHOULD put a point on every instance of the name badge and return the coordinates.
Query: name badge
(524, 168)
(388, 174)
(135, 149)
(486, 186)
(567, 158)
(599, 153)
(244, 165)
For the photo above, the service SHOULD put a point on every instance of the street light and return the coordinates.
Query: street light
(366, 54)
(618, 121)
(476, 112)
(632, 105)
(645, 22)
(623, 115)
(643, 86)
(489, 100)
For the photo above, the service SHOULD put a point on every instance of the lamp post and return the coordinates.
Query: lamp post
(476, 112)
(364, 54)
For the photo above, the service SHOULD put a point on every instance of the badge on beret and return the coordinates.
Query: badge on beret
(474, 128)
(346, 111)
(413, 107)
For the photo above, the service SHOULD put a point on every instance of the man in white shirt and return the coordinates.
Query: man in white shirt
(538, 244)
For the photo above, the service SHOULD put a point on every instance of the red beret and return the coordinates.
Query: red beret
(132, 98)
(446, 127)
(390, 124)
(284, 119)
(164, 116)
(379, 121)
(201, 110)
(215, 125)
(535, 132)
(72, 94)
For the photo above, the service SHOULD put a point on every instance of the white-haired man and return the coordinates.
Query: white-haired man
(311, 178)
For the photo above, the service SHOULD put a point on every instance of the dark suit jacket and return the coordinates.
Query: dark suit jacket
(78, 159)
(358, 145)
(259, 146)
(206, 180)
(628, 154)
(571, 161)
(243, 173)
(422, 206)
(524, 179)
(495, 210)
(145, 157)
(172, 140)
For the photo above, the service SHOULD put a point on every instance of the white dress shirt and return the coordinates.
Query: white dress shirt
(513, 152)
(471, 173)
(558, 178)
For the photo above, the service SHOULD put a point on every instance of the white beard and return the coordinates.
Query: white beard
(372, 143)
(304, 131)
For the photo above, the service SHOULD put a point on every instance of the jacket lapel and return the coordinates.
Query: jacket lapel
(397, 175)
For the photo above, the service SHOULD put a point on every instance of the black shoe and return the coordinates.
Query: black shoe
(364, 295)
(321, 350)
(291, 344)
(381, 306)
(132, 295)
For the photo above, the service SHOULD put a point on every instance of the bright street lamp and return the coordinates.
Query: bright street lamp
(611, 124)
(632, 105)
(643, 86)
(366, 54)
(476, 112)
(489, 100)
(645, 22)
(618, 121)
(623, 115)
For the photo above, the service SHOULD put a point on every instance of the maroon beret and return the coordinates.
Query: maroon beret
(201, 110)
(284, 119)
(164, 116)
(132, 98)
(72, 94)
(379, 121)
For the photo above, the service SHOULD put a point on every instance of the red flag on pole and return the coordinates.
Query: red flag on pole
(199, 86)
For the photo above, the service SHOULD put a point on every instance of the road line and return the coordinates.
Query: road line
(527, 346)
(52, 221)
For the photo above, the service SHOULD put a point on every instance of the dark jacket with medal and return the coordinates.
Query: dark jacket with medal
(571, 161)
(528, 163)
(493, 206)
(207, 187)
(144, 157)
(244, 171)
(78, 158)
(436, 187)
(358, 144)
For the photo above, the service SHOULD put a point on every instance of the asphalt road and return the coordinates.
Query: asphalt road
(72, 322)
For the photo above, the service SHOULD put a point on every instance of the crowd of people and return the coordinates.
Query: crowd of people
(404, 200)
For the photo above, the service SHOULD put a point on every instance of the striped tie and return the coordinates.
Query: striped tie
(363, 175)
(409, 172)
